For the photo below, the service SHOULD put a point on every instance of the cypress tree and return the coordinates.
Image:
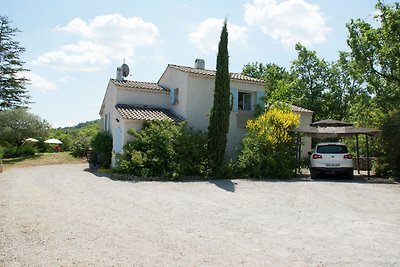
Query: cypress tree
(219, 119)
(13, 93)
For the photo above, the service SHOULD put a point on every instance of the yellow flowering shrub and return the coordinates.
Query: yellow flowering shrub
(268, 147)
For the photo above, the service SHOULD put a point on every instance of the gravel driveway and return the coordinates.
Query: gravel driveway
(66, 216)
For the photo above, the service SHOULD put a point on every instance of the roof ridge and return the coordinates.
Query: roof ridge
(209, 72)
(138, 85)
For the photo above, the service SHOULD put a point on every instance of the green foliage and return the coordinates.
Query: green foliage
(102, 145)
(255, 70)
(1, 153)
(376, 52)
(16, 125)
(77, 138)
(268, 147)
(20, 151)
(79, 149)
(164, 149)
(219, 119)
(13, 93)
(391, 141)
(191, 152)
(312, 74)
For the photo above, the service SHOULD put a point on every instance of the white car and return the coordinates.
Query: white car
(331, 158)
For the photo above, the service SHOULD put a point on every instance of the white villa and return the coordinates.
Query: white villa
(182, 93)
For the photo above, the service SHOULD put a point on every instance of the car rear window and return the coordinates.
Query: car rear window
(332, 149)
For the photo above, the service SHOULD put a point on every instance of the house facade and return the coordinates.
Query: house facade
(182, 93)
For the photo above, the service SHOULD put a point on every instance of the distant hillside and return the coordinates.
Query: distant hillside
(87, 124)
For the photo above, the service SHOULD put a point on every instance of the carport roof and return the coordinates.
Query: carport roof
(333, 128)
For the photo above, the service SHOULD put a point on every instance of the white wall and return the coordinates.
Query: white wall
(140, 98)
(173, 79)
(305, 120)
(108, 107)
(128, 124)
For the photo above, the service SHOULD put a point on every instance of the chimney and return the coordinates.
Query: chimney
(119, 74)
(199, 64)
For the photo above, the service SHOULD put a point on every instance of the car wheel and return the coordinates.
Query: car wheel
(350, 175)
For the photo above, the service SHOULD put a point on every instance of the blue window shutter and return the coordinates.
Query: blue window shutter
(172, 96)
(105, 122)
(260, 100)
(235, 98)
(117, 140)
(109, 122)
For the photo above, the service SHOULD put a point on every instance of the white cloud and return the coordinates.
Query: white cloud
(289, 21)
(38, 83)
(66, 78)
(206, 37)
(103, 39)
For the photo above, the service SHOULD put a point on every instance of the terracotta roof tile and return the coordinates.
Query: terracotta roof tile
(211, 73)
(146, 113)
(300, 109)
(138, 85)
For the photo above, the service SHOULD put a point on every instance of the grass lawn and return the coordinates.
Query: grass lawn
(41, 159)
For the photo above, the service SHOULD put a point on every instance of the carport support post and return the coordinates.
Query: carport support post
(367, 146)
(297, 169)
(358, 155)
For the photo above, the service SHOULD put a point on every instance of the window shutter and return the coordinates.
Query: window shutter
(172, 96)
(117, 140)
(235, 99)
(109, 122)
(260, 100)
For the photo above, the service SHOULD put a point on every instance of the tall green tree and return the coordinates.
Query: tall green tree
(13, 92)
(345, 88)
(377, 52)
(255, 70)
(278, 81)
(16, 125)
(312, 76)
(219, 119)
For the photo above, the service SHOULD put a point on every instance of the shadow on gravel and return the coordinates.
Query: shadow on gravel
(94, 170)
(358, 179)
(225, 184)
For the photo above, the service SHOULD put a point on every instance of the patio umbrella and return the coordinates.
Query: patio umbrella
(31, 140)
(53, 141)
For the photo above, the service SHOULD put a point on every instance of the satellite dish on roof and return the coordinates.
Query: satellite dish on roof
(125, 70)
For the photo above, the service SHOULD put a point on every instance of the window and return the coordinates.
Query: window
(332, 149)
(174, 96)
(244, 101)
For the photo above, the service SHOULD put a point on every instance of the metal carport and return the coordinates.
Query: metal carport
(336, 129)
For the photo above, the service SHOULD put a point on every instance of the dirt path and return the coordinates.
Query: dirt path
(66, 216)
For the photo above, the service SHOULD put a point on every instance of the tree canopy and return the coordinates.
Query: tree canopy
(13, 92)
(376, 50)
(16, 125)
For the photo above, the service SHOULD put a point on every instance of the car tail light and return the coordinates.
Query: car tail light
(316, 156)
(348, 156)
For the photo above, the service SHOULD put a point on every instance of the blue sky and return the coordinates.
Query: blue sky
(74, 47)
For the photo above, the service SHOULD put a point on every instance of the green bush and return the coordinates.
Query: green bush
(391, 141)
(79, 149)
(102, 145)
(164, 149)
(1, 152)
(15, 152)
(268, 147)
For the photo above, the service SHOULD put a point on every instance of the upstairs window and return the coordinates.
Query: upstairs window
(244, 101)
